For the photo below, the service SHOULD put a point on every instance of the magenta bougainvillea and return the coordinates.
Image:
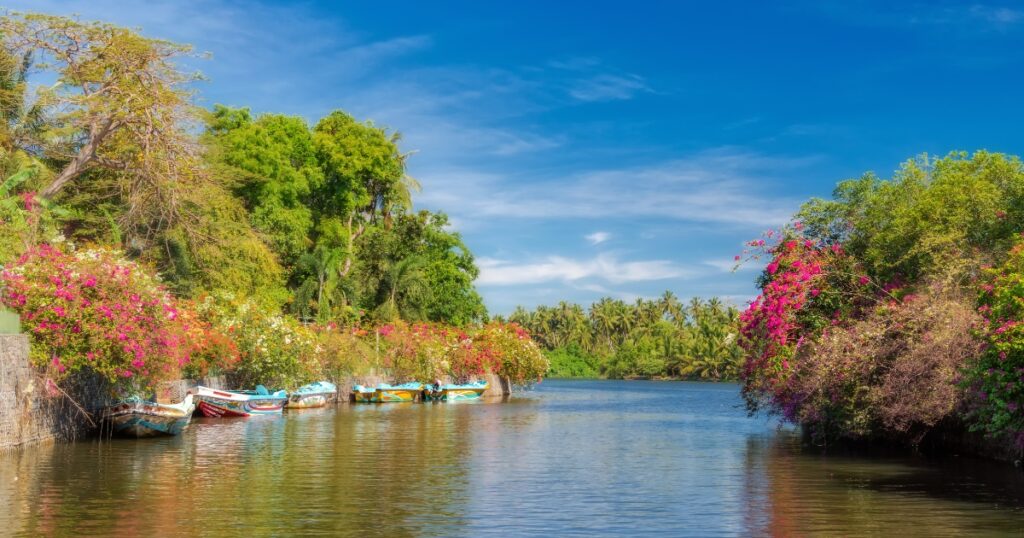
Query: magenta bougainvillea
(806, 287)
(995, 381)
(93, 309)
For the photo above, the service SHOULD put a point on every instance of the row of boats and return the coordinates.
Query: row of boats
(135, 417)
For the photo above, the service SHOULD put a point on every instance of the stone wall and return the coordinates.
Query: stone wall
(33, 410)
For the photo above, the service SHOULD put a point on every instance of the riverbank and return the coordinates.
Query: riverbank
(34, 410)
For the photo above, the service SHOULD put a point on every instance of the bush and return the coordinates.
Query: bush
(995, 381)
(894, 372)
(94, 310)
(274, 350)
(571, 361)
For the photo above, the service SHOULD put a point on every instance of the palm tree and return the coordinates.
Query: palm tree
(325, 288)
(671, 307)
(406, 288)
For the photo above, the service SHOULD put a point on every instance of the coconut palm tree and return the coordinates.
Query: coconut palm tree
(406, 288)
(325, 288)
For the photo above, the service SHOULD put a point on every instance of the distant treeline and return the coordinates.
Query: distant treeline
(656, 338)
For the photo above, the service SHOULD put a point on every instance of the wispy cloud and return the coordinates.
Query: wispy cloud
(722, 186)
(607, 268)
(608, 87)
(728, 266)
(597, 238)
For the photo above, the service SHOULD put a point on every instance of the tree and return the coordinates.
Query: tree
(120, 101)
(406, 290)
(364, 176)
(270, 163)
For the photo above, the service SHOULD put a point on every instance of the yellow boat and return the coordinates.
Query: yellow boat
(385, 393)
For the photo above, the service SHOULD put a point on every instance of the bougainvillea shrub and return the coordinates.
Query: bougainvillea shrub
(93, 309)
(274, 350)
(511, 352)
(892, 372)
(806, 286)
(424, 352)
(995, 381)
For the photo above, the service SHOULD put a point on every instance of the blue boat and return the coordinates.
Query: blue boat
(312, 395)
(135, 417)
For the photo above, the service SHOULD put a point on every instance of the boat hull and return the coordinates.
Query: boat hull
(396, 395)
(313, 395)
(463, 394)
(387, 394)
(309, 401)
(454, 393)
(148, 419)
(217, 404)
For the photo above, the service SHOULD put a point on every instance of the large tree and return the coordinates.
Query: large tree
(120, 102)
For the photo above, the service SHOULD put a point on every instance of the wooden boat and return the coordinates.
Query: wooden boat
(312, 395)
(240, 403)
(453, 393)
(385, 393)
(135, 417)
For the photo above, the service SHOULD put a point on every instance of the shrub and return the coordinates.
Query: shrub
(94, 310)
(893, 372)
(995, 381)
(274, 350)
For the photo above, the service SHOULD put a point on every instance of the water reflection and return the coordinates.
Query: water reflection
(583, 458)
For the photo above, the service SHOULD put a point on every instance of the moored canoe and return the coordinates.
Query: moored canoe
(135, 417)
(312, 395)
(240, 403)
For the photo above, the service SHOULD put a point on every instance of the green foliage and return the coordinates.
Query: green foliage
(879, 354)
(648, 338)
(273, 168)
(571, 362)
(948, 215)
(442, 290)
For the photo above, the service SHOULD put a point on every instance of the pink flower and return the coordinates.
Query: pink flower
(863, 280)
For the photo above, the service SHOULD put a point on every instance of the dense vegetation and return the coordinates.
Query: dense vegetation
(895, 307)
(143, 238)
(649, 338)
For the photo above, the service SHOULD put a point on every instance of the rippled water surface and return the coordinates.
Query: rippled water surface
(571, 457)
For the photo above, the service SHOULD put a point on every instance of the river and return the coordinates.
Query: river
(568, 458)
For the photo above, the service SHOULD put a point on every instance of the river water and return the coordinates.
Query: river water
(569, 458)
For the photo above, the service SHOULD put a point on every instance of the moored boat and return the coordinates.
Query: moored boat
(312, 395)
(452, 393)
(135, 417)
(385, 393)
(240, 403)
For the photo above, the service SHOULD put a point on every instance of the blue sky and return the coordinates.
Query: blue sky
(595, 148)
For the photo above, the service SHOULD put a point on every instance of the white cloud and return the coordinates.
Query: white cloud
(597, 238)
(557, 268)
(608, 87)
(722, 186)
(728, 266)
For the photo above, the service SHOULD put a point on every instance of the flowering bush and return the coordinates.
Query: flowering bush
(805, 287)
(511, 352)
(892, 372)
(95, 310)
(995, 381)
(274, 350)
(424, 352)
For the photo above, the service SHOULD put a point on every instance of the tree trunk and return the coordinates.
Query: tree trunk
(82, 161)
